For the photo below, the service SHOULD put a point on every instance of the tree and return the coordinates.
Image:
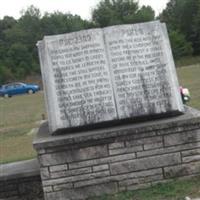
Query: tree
(18, 54)
(145, 13)
(5, 74)
(183, 16)
(113, 12)
(180, 47)
(18, 38)
(57, 23)
(7, 22)
(195, 37)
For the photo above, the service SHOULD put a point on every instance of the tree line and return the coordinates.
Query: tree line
(18, 52)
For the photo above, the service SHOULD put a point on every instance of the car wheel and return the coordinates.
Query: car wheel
(30, 91)
(7, 95)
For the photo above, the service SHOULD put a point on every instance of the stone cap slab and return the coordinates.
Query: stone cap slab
(45, 140)
(20, 169)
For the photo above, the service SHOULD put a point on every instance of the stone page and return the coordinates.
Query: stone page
(48, 102)
(173, 75)
(76, 79)
(142, 70)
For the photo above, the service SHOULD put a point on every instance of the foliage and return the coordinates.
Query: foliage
(196, 30)
(183, 16)
(113, 12)
(18, 38)
(5, 74)
(180, 46)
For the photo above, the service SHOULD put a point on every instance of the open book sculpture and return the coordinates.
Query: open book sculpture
(114, 73)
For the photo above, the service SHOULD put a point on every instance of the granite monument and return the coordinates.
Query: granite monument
(114, 73)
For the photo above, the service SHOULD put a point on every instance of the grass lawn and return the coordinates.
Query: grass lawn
(20, 114)
(186, 61)
(189, 77)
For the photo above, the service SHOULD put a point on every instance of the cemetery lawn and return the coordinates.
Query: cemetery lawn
(189, 77)
(174, 190)
(19, 116)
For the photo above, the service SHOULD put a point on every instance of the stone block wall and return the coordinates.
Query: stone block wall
(20, 181)
(22, 189)
(80, 165)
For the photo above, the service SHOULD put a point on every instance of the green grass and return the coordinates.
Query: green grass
(186, 61)
(189, 77)
(19, 115)
(174, 190)
(21, 109)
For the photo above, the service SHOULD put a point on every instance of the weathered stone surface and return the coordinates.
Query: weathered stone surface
(145, 163)
(170, 149)
(73, 155)
(139, 174)
(100, 75)
(153, 146)
(181, 138)
(105, 160)
(44, 172)
(21, 180)
(142, 67)
(53, 159)
(138, 187)
(182, 170)
(81, 90)
(191, 152)
(92, 182)
(116, 145)
(63, 186)
(19, 169)
(139, 181)
(130, 132)
(48, 189)
(125, 150)
(120, 177)
(59, 181)
(150, 161)
(144, 141)
(84, 192)
(71, 172)
(58, 168)
(191, 158)
(100, 168)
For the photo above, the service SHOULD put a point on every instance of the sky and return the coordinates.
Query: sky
(80, 7)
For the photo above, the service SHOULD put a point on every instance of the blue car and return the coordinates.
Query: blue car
(11, 89)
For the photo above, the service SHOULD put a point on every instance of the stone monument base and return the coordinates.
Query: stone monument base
(80, 165)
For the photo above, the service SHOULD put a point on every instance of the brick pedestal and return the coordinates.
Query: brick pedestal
(79, 165)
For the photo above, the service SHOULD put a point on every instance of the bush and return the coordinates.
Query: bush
(180, 47)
